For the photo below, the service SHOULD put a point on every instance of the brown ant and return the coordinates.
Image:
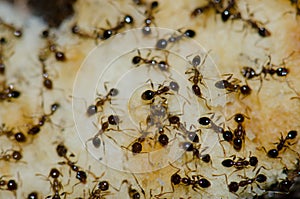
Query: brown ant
(197, 77)
(175, 38)
(240, 163)
(234, 186)
(254, 24)
(47, 82)
(56, 184)
(96, 141)
(101, 100)
(151, 94)
(230, 11)
(33, 195)
(149, 17)
(61, 151)
(233, 86)
(107, 33)
(196, 182)
(51, 48)
(239, 132)
(19, 136)
(100, 190)
(10, 185)
(11, 154)
(8, 93)
(17, 32)
(273, 153)
(162, 65)
(35, 129)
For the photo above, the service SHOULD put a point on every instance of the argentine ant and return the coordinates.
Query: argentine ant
(273, 153)
(101, 100)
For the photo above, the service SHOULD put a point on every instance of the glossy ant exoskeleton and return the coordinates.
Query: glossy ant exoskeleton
(273, 153)
(10, 185)
(230, 11)
(35, 129)
(51, 47)
(17, 32)
(56, 184)
(9, 92)
(11, 154)
(33, 195)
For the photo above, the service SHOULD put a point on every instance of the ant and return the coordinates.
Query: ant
(273, 153)
(16, 32)
(100, 190)
(47, 82)
(101, 100)
(61, 151)
(197, 77)
(107, 33)
(149, 17)
(233, 86)
(10, 185)
(9, 92)
(11, 154)
(196, 182)
(56, 184)
(174, 38)
(234, 186)
(151, 94)
(205, 121)
(163, 65)
(51, 47)
(230, 11)
(241, 163)
(111, 120)
(257, 25)
(35, 129)
(33, 195)
(239, 132)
